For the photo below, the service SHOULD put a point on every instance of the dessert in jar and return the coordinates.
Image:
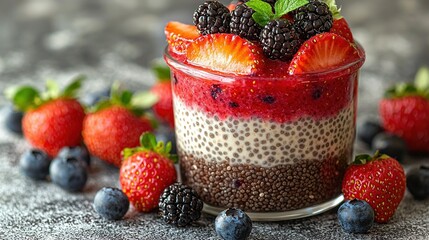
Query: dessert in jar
(265, 107)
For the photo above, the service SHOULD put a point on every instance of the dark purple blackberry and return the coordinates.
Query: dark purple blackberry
(180, 205)
(242, 23)
(212, 17)
(312, 18)
(279, 40)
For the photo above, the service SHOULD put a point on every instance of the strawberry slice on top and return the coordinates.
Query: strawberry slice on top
(323, 52)
(225, 53)
(341, 27)
(180, 35)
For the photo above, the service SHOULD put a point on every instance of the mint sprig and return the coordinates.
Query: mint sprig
(420, 86)
(264, 12)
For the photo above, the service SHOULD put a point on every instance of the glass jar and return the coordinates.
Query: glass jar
(276, 147)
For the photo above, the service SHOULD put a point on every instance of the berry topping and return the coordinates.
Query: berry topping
(368, 130)
(146, 171)
(323, 52)
(242, 23)
(226, 53)
(13, 120)
(404, 111)
(111, 203)
(180, 35)
(418, 182)
(279, 40)
(391, 145)
(180, 205)
(79, 152)
(233, 223)
(312, 18)
(34, 164)
(69, 173)
(378, 180)
(356, 216)
(212, 17)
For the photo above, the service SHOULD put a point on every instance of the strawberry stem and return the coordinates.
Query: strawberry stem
(366, 158)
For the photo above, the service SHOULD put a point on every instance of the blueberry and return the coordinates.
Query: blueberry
(391, 145)
(356, 216)
(418, 182)
(34, 164)
(368, 130)
(13, 120)
(91, 99)
(166, 134)
(79, 152)
(215, 91)
(233, 224)
(69, 173)
(111, 203)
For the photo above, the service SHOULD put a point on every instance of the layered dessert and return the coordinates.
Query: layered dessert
(261, 127)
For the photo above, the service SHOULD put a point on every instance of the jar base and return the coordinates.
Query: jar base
(286, 215)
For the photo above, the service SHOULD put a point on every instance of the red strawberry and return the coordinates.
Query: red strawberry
(180, 35)
(341, 27)
(232, 6)
(378, 180)
(163, 109)
(226, 53)
(146, 172)
(53, 120)
(404, 111)
(115, 125)
(323, 52)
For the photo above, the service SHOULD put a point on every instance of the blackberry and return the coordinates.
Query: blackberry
(242, 23)
(212, 17)
(180, 205)
(280, 40)
(312, 18)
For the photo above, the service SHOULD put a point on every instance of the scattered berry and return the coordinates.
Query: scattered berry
(69, 173)
(378, 180)
(212, 17)
(180, 205)
(341, 27)
(390, 145)
(279, 40)
(79, 152)
(356, 216)
(146, 172)
(233, 224)
(312, 18)
(418, 182)
(35, 163)
(166, 134)
(368, 130)
(242, 23)
(14, 120)
(180, 35)
(226, 53)
(111, 203)
(323, 52)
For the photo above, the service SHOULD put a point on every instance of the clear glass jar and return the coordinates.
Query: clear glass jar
(276, 147)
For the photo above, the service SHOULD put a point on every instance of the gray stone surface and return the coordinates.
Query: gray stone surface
(116, 40)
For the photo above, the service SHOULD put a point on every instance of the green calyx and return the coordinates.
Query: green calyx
(161, 70)
(420, 86)
(25, 98)
(366, 158)
(138, 103)
(149, 143)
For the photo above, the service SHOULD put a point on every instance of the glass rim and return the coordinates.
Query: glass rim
(227, 77)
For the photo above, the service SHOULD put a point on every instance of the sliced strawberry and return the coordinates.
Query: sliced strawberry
(341, 27)
(226, 53)
(180, 35)
(232, 6)
(323, 52)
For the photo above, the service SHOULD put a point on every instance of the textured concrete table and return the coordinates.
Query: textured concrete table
(115, 40)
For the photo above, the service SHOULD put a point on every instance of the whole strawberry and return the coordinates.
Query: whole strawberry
(52, 119)
(404, 112)
(146, 171)
(163, 108)
(378, 180)
(115, 124)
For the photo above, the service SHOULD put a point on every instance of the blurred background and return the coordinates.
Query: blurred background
(117, 39)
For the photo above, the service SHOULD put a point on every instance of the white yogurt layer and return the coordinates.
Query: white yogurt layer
(261, 142)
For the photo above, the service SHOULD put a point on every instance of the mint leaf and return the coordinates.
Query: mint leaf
(333, 8)
(282, 7)
(71, 89)
(422, 80)
(263, 11)
(261, 19)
